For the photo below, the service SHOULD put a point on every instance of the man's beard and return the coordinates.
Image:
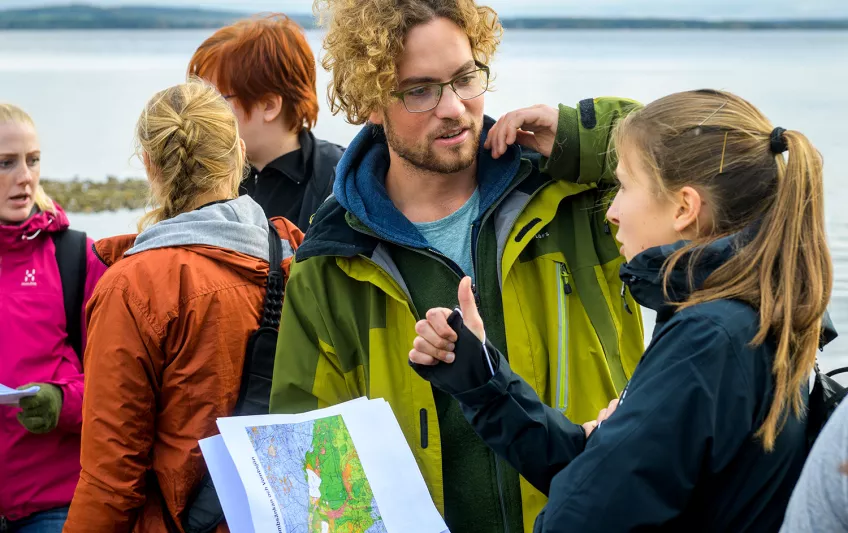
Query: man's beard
(422, 155)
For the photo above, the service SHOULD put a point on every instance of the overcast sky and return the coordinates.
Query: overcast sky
(711, 9)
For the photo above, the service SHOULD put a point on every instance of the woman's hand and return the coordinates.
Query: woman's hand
(435, 340)
(605, 413)
(534, 127)
(40, 413)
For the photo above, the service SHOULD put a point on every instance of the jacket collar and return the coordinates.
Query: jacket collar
(643, 275)
(40, 222)
(298, 173)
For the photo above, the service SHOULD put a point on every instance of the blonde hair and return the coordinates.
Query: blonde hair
(365, 38)
(190, 136)
(720, 144)
(13, 113)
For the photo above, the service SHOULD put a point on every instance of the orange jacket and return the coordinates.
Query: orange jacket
(168, 329)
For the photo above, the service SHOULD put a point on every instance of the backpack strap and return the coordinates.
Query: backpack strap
(255, 389)
(71, 259)
(273, 308)
(835, 371)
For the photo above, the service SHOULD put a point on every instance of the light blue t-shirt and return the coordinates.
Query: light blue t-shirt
(452, 235)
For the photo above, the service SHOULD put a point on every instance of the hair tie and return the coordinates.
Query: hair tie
(777, 142)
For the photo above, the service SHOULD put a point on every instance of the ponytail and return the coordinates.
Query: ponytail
(795, 277)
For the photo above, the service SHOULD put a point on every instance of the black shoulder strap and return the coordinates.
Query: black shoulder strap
(71, 258)
(274, 292)
(836, 371)
(255, 390)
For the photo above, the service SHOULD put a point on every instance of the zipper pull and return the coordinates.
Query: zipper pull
(624, 299)
(476, 295)
(607, 229)
(566, 285)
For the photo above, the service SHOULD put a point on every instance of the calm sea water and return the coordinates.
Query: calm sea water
(86, 89)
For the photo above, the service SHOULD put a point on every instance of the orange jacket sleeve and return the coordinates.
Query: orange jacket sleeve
(122, 360)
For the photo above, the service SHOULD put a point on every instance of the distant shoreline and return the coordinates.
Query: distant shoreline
(89, 196)
(85, 17)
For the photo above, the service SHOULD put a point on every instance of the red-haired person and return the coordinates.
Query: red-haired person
(266, 70)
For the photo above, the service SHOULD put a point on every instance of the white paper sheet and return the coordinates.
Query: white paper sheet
(405, 503)
(228, 484)
(303, 475)
(9, 396)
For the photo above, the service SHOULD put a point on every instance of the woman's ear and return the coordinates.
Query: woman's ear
(689, 210)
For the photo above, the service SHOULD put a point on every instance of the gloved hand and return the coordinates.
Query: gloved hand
(41, 412)
(449, 352)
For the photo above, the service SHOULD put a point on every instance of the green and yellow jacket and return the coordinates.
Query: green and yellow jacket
(546, 272)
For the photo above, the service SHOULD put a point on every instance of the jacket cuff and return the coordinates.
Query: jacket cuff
(70, 416)
(564, 161)
(492, 389)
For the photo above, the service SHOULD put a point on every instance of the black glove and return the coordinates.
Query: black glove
(473, 366)
(204, 513)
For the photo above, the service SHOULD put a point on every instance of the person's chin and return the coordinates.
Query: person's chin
(623, 251)
(455, 162)
(15, 216)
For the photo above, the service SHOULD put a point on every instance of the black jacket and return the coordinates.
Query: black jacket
(679, 453)
(295, 185)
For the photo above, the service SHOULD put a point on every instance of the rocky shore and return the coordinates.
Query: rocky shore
(88, 196)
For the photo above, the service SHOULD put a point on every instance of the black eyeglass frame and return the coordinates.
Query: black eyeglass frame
(480, 68)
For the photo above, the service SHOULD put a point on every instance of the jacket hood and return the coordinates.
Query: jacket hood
(238, 225)
(229, 231)
(360, 183)
(15, 235)
(643, 275)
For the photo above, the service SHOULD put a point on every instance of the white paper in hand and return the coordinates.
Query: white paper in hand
(346, 465)
(10, 396)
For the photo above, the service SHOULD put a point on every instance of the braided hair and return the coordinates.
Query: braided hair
(188, 137)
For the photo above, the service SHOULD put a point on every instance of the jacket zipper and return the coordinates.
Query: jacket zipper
(564, 326)
(475, 233)
(4, 524)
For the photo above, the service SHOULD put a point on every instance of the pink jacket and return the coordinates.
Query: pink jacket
(38, 472)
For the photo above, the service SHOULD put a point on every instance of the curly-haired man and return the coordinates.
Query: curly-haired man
(427, 193)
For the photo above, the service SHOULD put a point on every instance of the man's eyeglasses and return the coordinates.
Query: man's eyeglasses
(425, 97)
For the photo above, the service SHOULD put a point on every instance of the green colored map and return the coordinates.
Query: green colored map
(317, 477)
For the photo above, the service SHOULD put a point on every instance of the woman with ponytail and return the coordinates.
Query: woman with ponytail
(40, 435)
(170, 321)
(720, 216)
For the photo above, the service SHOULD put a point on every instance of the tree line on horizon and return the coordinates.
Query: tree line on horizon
(92, 17)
